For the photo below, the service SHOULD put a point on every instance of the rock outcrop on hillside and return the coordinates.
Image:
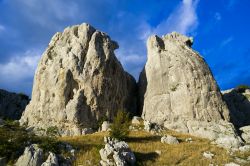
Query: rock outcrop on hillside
(177, 84)
(78, 81)
(12, 105)
(177, 90)
(238, 103)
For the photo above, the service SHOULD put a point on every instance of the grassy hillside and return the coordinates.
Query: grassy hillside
(145, 146)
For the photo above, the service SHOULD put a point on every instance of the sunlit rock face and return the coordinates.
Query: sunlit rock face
(78, 81)
(177, 90)
(176, 83)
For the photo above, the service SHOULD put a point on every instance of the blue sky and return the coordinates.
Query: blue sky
(221, 31)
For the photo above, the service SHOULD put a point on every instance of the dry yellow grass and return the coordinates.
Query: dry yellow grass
(145, 145)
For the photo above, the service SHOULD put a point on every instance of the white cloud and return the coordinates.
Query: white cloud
(48, 13)
(19, 67)
(133, 58)
(183, 19)
(2, 28)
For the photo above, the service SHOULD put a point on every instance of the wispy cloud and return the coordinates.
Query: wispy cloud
(20, 67)
(226, 41)
(2, 28)
(183, 19)
(48, 13)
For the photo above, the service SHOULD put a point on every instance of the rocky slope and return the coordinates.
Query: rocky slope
(79, 81)
(177, 90)
(12, 105)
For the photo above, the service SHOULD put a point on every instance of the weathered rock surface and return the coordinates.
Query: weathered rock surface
(176, 83)
(177, 90)
(12, 105)
(169, 139)
(239, 105)
(78, 81)
(245, 133)
(51, 160)
(32, 156)
(232, 164)
(208, 155)
(105, 126)
(116, 153)
(136, 120)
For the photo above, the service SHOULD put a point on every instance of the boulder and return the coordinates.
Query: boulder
(2, 161)
(169, 139)
(79, 81)
(105, 126)
(245, 133)
(51, 160)
(178, 90)
(232, 164)
(87, 131)
(12, 105)
(32, 156)
(116, 153)
(136, 120)
(208, 155)
(190, 140)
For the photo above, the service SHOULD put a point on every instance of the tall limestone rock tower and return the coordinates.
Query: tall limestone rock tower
(177, 89)
(79, 81)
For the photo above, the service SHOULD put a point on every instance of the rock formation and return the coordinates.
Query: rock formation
(177, 90)
(238, 103)
(116, 153)
(12, 105)
(32, 156)
(177, 84)
(79, 81)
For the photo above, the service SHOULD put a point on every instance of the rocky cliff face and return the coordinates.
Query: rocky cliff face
(177, 90)
(12, 105)
(78, 81)
(239, 105)
(177, 84)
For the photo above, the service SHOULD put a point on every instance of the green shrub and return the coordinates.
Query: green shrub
(242, 88)
(120, 126)
(52, 131)
(49, 144)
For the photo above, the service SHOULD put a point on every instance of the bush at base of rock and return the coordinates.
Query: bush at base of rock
(120, 126)
(116, 153)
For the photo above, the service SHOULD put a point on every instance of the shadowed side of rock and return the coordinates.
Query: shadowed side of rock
(239, 106)
(12, 105)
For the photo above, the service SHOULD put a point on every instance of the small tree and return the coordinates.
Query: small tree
(120, 126)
